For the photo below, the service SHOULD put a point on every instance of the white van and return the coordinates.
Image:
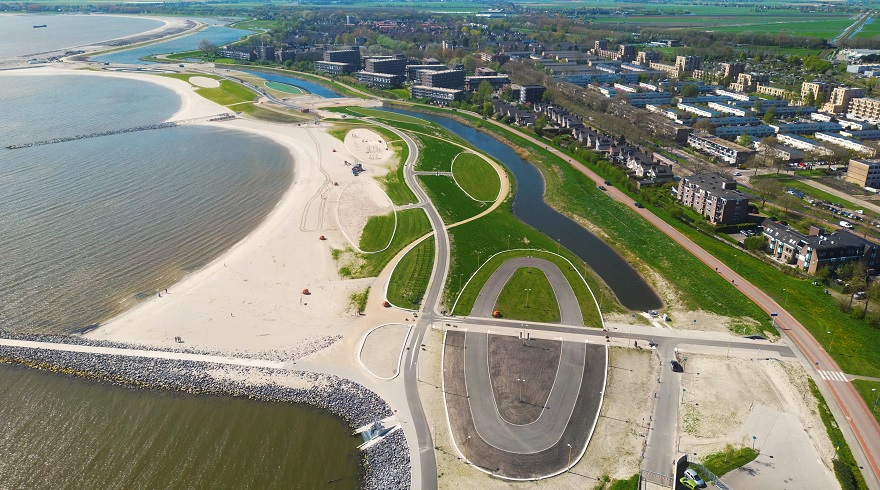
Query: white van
(846, 224)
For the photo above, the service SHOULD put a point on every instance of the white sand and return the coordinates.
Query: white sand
(250, 299)
(204, 82)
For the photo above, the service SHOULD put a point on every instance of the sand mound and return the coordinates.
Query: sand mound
(368, 146)
(359, 201)
(204, 82)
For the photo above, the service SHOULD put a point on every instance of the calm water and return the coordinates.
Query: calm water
(218, 35)
(59, 432)
(64, 31)
(88, 227)
(529, 206)
(311, 87)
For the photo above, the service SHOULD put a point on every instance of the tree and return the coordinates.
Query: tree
(705, 125)
(769, 116)
(755, 243)
(690, 90)
(757, 106)
(744, 140)
(488, 109)
(540, 123)
(766, 189)
(207, 47)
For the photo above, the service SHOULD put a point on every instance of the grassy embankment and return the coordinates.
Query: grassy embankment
(528, 296)
(378, 233)
(337, 88)
(451, 202)
(864, 387)
(438, 156)
(846, 469)
(476, 177)
(697, 285)
(409, 281)
(237, 98)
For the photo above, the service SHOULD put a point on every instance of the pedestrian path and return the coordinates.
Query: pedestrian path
(833, 376)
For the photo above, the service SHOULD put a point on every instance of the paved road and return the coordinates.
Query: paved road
(569, 308)
(660, 449)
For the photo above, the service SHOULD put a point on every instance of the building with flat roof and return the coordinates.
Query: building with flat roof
(771, 91)
(818, 89)
(748, 82)
(531, 93)
(453, 79)
(335, 67)
(715, 197)
(840, 98)
(817, 249)
(782, 152)
(379, 80)
(436, 94)
(848, 143)
(350, 55)
(726, 151)
(391, 66)
(864, 108)
(645, 58)
(496, 81)
(864, 173)
(804, 144)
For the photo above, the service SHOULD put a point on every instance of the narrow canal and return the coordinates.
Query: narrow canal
(528, 205)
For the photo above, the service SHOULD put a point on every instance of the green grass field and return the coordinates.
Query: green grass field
(286, 88)
(476, 177)
(864, 388)
(846, 468)
(227, 93)
(435, 155)
(411, 224)
(409, 281)
(451, 202)
(824, 28)
(528, 296)
(869, 30)
(378, 232)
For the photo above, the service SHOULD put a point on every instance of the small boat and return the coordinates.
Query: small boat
(41, 25)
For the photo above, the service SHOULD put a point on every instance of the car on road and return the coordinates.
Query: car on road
(602, 188)
(694, 477)
(689, 484)
(676, 367)
(638, 204)
(607, 182)
(737, 174)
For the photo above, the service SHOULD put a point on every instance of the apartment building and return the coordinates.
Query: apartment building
(453, 79)
(531, 93)
(350, 55)
(688, 64)
(841, 97)
(818, 89)
(748, 82)
(726, 151)
(772, 91)
(379, 80)
(818, 248)
(864, 173)
(436, 94)
(804, 144)
(335, 67)
(391, 66)
(848, 143)
(864, 108)
(645, 58)
(715, 197)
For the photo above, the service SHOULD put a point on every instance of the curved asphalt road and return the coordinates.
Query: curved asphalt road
(549, 427)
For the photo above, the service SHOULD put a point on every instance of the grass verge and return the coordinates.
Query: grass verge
(436, 155)
(846, 469)
(476, 176)
(358, 300)
(528, 296)
(409, 281)
(451, 202)
(631, 483)
(378, 233)
(729, 459)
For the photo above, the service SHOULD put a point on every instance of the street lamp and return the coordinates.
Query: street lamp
(876, 399)
(520, 382)
(569, 454)
(785, 301)
(527, 297)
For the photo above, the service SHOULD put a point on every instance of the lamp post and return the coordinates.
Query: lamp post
(785, 301)
(876, 399)
(569, 454)
(527, 296)
(520, 382)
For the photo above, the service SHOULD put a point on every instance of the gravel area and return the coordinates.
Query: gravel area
(386, 465)
(536, 362)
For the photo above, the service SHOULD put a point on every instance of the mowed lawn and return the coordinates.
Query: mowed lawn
(864, 388)
(451, 202)
(476, 176)
(378, 232)
(436, 155)
(827, 28)
(409, 281)
(528, 296)
(411, 224)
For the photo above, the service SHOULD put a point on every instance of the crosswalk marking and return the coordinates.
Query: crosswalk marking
(833, 376)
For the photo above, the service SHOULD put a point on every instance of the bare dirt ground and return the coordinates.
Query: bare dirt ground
(727, 401)
(535, 362)
(204, 82)
(381, 350)
(614, 450)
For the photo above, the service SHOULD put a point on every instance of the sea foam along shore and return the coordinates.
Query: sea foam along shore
(386, 465)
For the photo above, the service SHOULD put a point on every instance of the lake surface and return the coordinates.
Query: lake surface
(64, 31)
(216, 34)
(528, 205)
(62, 432)
(89, 227)
(306, 85)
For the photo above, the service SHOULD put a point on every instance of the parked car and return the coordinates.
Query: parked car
(602, 188)
(737, 174)
(638, 204)
(607, 182)
(676, 367)
(695, 477)
(689, 484)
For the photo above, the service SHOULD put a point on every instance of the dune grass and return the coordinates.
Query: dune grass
(528, 296)
(476, 176)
